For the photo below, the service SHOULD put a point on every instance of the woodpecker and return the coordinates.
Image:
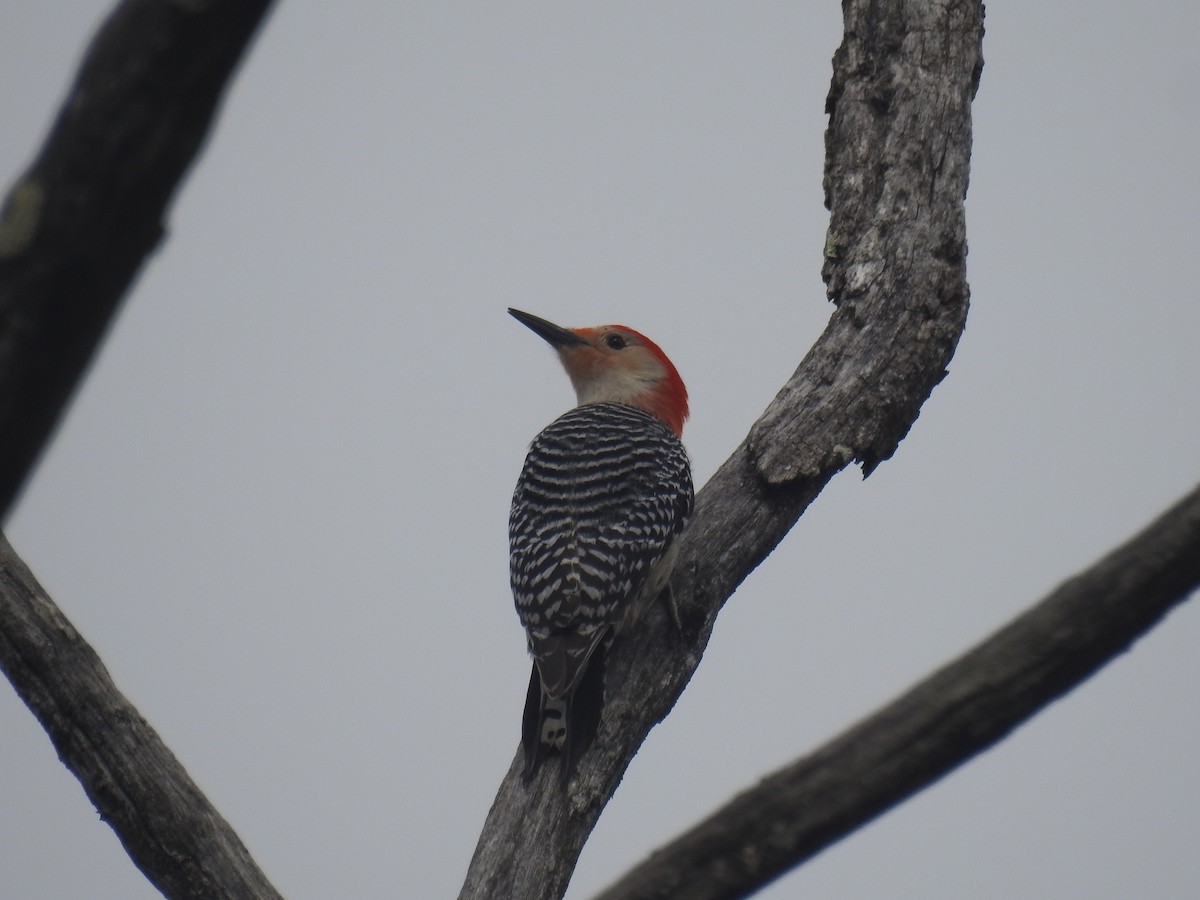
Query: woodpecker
(605, 490)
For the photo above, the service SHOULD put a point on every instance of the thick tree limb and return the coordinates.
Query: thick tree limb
(170, 830)
(77, 226)
(75, 230)
(897, 156)
(792, 814)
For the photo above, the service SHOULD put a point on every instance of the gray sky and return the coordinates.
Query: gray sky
(278, 508)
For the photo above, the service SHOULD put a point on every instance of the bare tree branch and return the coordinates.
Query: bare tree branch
(967, 706)
(75, 230)
(170, 830)
(897, 156)
(77, 226)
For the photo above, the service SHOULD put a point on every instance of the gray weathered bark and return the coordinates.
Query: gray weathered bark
(897, 155)
(75, 230)
(77, 226)
(971, 703)
(168, 827)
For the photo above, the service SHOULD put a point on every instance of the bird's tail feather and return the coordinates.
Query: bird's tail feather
(566, 724)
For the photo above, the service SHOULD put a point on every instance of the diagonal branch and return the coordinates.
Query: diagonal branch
(897, 155)
(967, 706)
(75, 230)
(168, 827)
(78, 225)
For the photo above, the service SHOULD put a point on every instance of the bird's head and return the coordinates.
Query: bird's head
(614, 363)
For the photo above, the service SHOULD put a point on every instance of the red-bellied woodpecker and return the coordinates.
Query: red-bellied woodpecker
(605, 490)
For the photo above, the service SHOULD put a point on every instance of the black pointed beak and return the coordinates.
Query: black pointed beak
(555, 335)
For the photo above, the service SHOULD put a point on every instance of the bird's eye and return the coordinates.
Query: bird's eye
(615, 341)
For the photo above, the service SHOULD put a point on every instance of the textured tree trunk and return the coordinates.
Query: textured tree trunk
(897, 155)
(77, 226)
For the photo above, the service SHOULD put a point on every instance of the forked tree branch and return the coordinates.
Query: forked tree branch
(897, 155)
(794, 813)
(78, 225)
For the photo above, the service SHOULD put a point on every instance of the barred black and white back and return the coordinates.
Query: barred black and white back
(605, 490)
